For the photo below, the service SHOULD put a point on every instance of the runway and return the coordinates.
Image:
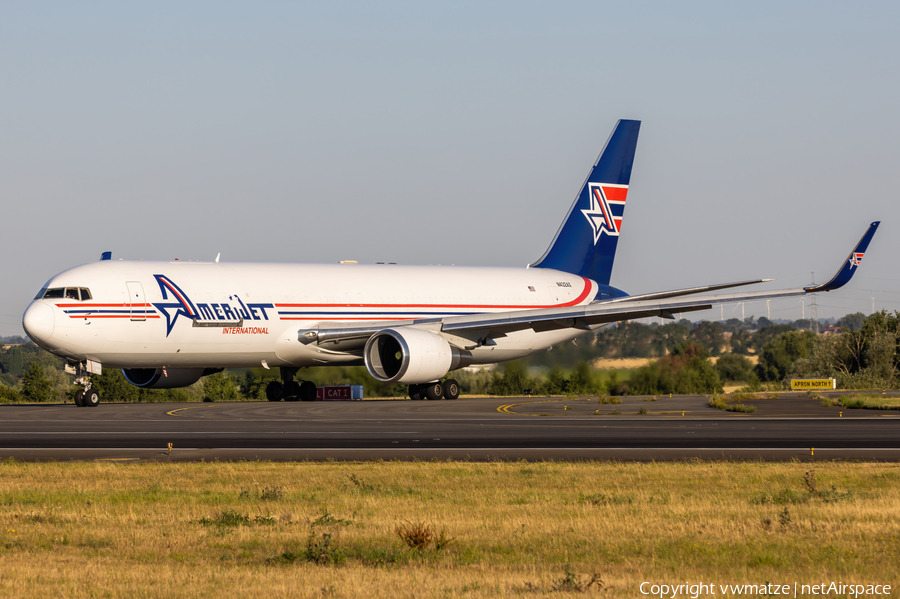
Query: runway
(793, 426)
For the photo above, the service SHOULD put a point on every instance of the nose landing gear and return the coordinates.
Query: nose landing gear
(87, 397)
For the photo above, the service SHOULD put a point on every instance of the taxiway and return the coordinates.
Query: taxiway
(793, 426)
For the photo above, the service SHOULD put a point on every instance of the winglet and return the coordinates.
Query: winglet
(846, 272)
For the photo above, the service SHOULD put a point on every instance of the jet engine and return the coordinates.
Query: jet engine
(165, 378)
(410, 356)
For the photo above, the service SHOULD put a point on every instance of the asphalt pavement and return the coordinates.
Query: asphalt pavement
(792, 426)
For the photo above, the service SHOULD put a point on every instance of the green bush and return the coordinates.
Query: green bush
(253, 384)
(8, 395)
(511, 378)
(220, 387)
(36, 386)
(734, 367)
(686, 371)
(582, 380)
(778, 355)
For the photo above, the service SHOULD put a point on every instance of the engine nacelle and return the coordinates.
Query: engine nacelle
(164, 378)
(409, 356)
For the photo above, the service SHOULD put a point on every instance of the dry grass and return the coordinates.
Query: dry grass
(730, 404)
(869, 401)
(621, 363)
(517, 529)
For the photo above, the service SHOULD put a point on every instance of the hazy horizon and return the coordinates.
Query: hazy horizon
(459, 134)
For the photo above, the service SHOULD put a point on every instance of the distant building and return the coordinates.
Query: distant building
(831, 330)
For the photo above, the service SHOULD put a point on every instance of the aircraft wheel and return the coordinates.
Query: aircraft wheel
(307, 391)
(434, 391)
(292, 391)
(79, 397)
(91, 399)
(451, 389)
(274, 391)
(415, 392)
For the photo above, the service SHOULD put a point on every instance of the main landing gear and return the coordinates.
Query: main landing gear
(289, 389)
(449, 389)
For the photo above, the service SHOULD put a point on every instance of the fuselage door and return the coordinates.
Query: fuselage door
(136, 300)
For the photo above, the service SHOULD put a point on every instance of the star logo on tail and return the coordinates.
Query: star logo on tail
(601, 214)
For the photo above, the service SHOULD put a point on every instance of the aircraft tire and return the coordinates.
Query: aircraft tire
(274, 391)
(91, 399)
(292, 391)
(79, 396)
(415, 392)
(451, 389)
(434, 391)
(307, 391)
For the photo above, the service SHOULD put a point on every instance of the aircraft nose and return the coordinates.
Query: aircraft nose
(38, 322)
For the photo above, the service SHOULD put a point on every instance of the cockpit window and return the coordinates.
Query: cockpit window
(71, 293)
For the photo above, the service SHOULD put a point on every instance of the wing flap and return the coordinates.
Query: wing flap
(687, 291)
(601, 313)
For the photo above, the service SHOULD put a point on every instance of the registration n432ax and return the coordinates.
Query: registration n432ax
(166, 324)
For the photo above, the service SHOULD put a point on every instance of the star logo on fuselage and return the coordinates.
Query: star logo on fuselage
(599, 214)
(182, 307)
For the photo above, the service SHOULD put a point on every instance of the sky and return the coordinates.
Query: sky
(452, 133)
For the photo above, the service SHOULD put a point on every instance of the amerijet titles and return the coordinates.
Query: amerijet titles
(229, 314)
(245, 330)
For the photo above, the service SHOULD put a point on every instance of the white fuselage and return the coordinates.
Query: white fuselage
(203, 314)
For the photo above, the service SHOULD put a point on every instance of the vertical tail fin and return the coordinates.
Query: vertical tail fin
(586, 241)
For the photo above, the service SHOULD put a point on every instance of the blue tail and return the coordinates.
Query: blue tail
(586, 241)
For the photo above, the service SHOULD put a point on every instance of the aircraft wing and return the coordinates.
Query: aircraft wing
(479, 327)
(604, 312)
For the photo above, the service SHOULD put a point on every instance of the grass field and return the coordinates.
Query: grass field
(868, 401)
(733, 402)
(106, 529)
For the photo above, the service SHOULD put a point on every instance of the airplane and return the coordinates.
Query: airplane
(167, 324)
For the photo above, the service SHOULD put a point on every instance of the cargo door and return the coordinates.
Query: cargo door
(136, 300)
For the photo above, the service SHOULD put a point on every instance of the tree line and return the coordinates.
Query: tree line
(863, 355)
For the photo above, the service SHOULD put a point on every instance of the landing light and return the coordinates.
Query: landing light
(307, 337)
